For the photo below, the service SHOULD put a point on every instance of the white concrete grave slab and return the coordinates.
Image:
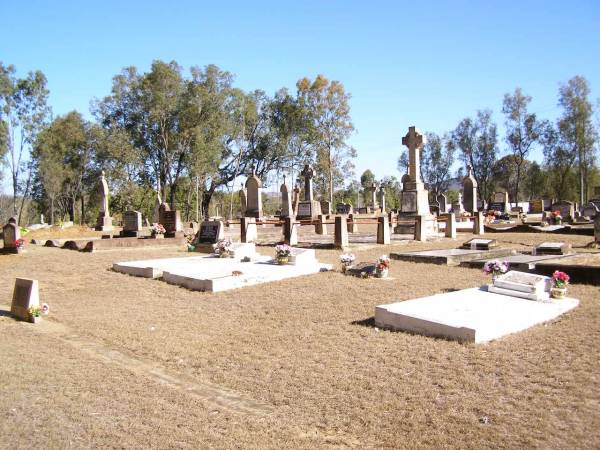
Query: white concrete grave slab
(209, 273)
(469, 315)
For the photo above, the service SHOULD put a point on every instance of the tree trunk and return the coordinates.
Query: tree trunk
(52, 210)
(82, 218)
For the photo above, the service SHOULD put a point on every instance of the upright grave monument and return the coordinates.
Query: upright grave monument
(171, 220)
(309, 208)
(254, 197)
(286, 200)
(415, 198)
(132, 224)
(11, 233)
(25, 296)
(243, 201)
(374, 206)
(104, 220)
(470, 191)
(382, 205)
(499, 202)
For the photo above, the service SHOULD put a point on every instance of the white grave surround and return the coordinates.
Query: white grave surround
(208, 273)
(469, 315)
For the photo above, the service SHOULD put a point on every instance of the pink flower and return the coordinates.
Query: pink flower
(45, 309)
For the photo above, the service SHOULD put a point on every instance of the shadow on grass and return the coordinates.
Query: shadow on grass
(4, 313)
(446, 290)
(369, 322)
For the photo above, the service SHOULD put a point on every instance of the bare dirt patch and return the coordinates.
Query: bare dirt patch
(304, 347)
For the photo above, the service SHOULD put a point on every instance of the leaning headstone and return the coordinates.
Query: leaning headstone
(25, 295)
(104, 220)
(480, 244)
(552, 248)
(254, 197)
(470, 191)
(132, 224)
(11, 233)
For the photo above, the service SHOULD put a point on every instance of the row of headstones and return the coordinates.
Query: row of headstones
(170, 220)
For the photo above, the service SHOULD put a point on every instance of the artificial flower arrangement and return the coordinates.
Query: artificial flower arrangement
(382, 267)
(283, 252)
(560, 280)
(20, 243)
(223, 248)
(556, 217)
(35, 312)
(157, 229)
(495, 267)
(347, 259)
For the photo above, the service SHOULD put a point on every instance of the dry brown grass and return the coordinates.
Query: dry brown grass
(304, 347)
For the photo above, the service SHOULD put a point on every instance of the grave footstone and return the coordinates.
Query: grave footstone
(480, 244)
(553, 248)
(25, 295)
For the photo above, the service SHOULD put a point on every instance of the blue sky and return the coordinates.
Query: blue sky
(427, 64)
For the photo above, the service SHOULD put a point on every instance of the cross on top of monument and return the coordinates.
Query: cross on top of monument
(413, 139)
(308, 171)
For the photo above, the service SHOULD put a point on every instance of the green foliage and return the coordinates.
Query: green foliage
(437, 158)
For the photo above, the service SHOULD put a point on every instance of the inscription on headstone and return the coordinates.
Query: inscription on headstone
(211, 231)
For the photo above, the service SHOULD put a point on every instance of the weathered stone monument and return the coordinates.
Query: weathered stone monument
(382, 205)
(11, 233)
(254, 197)
(132, 224)
(25, 295)
(104, 220)
(210, 232)
(470, 191)
(415, 198)
(457, 206)
(374, 204)
(243, 201)
(286, 201)
(443, 201)
(309, 208)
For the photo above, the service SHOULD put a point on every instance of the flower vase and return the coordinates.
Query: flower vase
(381, 273)
(35, 319)
(283, 260)
(556, 292)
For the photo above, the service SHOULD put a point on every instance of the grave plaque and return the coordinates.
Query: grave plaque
(305, 209)
(409, 201)
(211, 231)
(552, 248)
(536, 207)
(368, 269)
(25, 295)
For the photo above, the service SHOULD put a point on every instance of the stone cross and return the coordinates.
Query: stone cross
(414, 140)
(308, 173)
(104, 212)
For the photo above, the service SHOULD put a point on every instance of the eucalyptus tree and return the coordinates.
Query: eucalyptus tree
(328, 111)
(523, 132)
(436, 163)
(23, 113)
(476, 139)
(577, 132)
(559, 160)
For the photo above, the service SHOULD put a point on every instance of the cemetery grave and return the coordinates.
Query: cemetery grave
(515, 302)
(214, 274)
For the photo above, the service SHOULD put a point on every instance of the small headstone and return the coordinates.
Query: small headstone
(325, 207)
(25, 295)
(536, 207)
(132, 223)
(522, 285)
(553, 248)
(11, 233)
(480, 244)
(211, 231)
(343, 208)
(566, 209)
(171, 220)
(499, 202)
(302, 256)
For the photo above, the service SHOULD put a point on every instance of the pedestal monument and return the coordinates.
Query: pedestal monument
(105, 222)
(309, 208)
